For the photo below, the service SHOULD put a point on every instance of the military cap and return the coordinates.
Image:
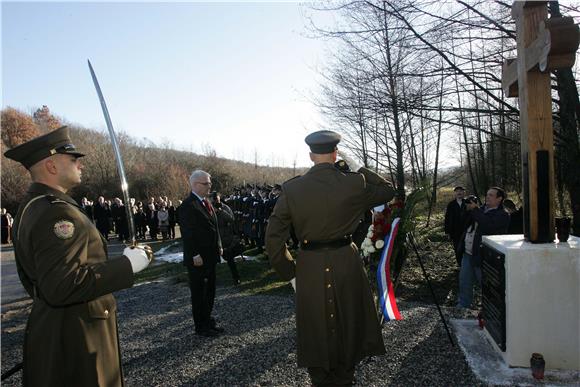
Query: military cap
(323, 141)
(459, 188)
(39, 148)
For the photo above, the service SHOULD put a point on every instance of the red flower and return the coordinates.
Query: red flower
(381, 224)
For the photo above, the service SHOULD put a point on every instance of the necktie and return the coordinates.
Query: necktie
(207, 205)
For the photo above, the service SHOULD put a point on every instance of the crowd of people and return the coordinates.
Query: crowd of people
(157, 218)
(153, 218)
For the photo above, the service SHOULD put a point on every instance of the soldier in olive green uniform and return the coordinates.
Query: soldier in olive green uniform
(336, 319)
(71, 334)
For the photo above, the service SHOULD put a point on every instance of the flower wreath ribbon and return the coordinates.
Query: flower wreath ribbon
(387, 301)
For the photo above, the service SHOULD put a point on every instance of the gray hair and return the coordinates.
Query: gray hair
(197, 174)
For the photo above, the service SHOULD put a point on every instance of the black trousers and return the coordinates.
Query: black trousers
(141, 230)
(340, 376)
(202, 287)
(5, 235)
(103, 227)
(229, 254)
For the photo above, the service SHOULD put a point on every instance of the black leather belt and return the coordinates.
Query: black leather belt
(331, 244)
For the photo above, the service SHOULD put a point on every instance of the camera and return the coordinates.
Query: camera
(342, 166)
(472, 199)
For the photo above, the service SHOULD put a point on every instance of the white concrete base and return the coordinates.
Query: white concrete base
(542, 301)
(490, 368)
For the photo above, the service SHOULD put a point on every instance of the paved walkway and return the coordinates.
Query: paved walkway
(159, 346)
(12, 290)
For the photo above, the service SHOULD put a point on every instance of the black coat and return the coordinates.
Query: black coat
(101, 214)
(199, 232)
(516, 222)
(225, 217)
(172, 215)
(492, 222)
(455, 219)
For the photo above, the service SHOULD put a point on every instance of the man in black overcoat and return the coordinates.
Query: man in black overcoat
(455, 220)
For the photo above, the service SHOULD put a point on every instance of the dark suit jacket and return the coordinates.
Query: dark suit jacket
(492, 222)
(199, 232)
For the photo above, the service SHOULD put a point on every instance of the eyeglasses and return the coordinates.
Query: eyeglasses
(206, 184)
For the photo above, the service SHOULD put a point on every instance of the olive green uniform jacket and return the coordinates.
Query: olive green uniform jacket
(71, 334)
(335, 313)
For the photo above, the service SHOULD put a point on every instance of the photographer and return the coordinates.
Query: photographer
(231, 242)
(490, 219)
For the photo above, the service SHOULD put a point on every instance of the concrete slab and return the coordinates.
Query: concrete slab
(489, 367)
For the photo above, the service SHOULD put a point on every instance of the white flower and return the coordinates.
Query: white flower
(371, 249)
(369, 234)
(371, 227)
(379, 244)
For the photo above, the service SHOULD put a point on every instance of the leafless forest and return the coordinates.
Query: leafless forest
(408, 78)
(403, 80)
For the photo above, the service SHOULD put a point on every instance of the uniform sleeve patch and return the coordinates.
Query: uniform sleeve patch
(64, 229)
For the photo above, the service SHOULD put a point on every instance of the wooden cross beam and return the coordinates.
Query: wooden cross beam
(542, 45)
(554, 48)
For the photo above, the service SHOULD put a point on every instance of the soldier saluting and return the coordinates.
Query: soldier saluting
(71, 334)
(336, 320)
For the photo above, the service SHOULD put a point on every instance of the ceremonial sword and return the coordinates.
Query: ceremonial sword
(120, 168)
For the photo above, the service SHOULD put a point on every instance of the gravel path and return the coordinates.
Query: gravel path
(159, 347)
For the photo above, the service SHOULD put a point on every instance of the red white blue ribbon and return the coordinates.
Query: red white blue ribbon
(387, 301)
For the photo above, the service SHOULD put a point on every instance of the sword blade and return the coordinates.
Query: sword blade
(118, 158)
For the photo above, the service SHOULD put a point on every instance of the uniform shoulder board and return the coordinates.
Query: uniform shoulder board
(53, 199)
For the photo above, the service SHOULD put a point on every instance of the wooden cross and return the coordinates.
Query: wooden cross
(542, 45)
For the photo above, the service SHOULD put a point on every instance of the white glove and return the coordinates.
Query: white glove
(139, 256)
(197, 260)
(354, 166)
(293, 283)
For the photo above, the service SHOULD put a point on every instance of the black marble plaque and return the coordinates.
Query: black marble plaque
(493, 291)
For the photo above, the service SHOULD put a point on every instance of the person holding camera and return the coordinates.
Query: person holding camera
(490, 219)
(231, 242)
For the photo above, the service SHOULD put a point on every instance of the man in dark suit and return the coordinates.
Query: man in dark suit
(202, 249)
(102, 213)
(87, 208)
(455, 220)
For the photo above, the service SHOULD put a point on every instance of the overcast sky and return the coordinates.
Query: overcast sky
(234, 77)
